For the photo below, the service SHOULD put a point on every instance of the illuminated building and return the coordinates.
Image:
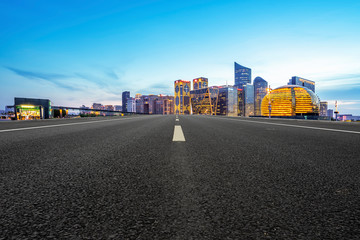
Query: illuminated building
(260, 86)
(204, 100)
(348, 117)
(291, 100)
(302, 82)
(182, 97)
(125, 96)
(200, 83)
(248, 100)
(242, 75)
(165, 105)
(330, 113)
(109, 107)
(131, 105)
(154, 104)
(227, 103)
(30, 108)
(241, 104)
(97, 106)
(323, 109)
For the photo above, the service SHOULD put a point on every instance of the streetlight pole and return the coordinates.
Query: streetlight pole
(268, 90)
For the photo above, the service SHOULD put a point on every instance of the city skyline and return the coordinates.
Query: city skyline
(76, 54)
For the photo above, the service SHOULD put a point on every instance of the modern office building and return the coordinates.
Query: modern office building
(200, 82)
(204, 100)
(227, 103)
(242, 75)
(330, 113)
(131, 105)
(125, 96)
(182, 97)
(31, 108)
(290, 101)
(323, 109)
(165, 105)
(249, 100)
(241, 102)
(260, 91)
(302, 82)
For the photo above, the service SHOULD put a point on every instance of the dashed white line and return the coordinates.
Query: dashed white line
(60, 125)
(178, 134)
(177, 120)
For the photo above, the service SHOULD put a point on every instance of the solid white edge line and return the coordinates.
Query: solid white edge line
(60, 125)
(298, 126)
(178, 134)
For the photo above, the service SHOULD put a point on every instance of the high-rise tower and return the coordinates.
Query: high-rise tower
(182, 97)
(125, 97)
(260, 86)
(242, 75)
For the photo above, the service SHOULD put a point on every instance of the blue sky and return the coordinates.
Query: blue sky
(80, 52)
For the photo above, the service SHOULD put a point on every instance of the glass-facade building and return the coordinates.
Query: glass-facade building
(216, 100)
(200, 82)
(241, 103)
(260, 86)
(204, 100)
(290, 101)
(125, 97)
(242, 75)
(249, 100)
(227, 101)
(182, 97)
(302, 82)
(323, 109)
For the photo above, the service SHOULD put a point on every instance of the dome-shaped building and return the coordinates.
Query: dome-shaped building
(291, 100)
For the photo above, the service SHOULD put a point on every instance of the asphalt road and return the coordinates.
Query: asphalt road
(232, 178)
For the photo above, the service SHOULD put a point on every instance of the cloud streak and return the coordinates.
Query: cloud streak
(53, 78)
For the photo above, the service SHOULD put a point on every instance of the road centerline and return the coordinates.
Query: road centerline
(178, 134)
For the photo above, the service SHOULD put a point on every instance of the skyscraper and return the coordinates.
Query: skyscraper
(200, 82)
(260, 92)
(182, 97)
(249, 100)
(302, 82)
(125, 96)
(323, 109)
(242, 75)
(131, 105)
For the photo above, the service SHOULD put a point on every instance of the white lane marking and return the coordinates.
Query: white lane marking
(60, 125)
(177, 120)
(298, 126)
(178, 134)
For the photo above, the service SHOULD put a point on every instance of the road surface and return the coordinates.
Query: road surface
(212, 178)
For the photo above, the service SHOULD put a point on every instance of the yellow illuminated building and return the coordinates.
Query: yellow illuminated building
(205, 100)
(200, 82)
(290, 100)
(182, 97)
